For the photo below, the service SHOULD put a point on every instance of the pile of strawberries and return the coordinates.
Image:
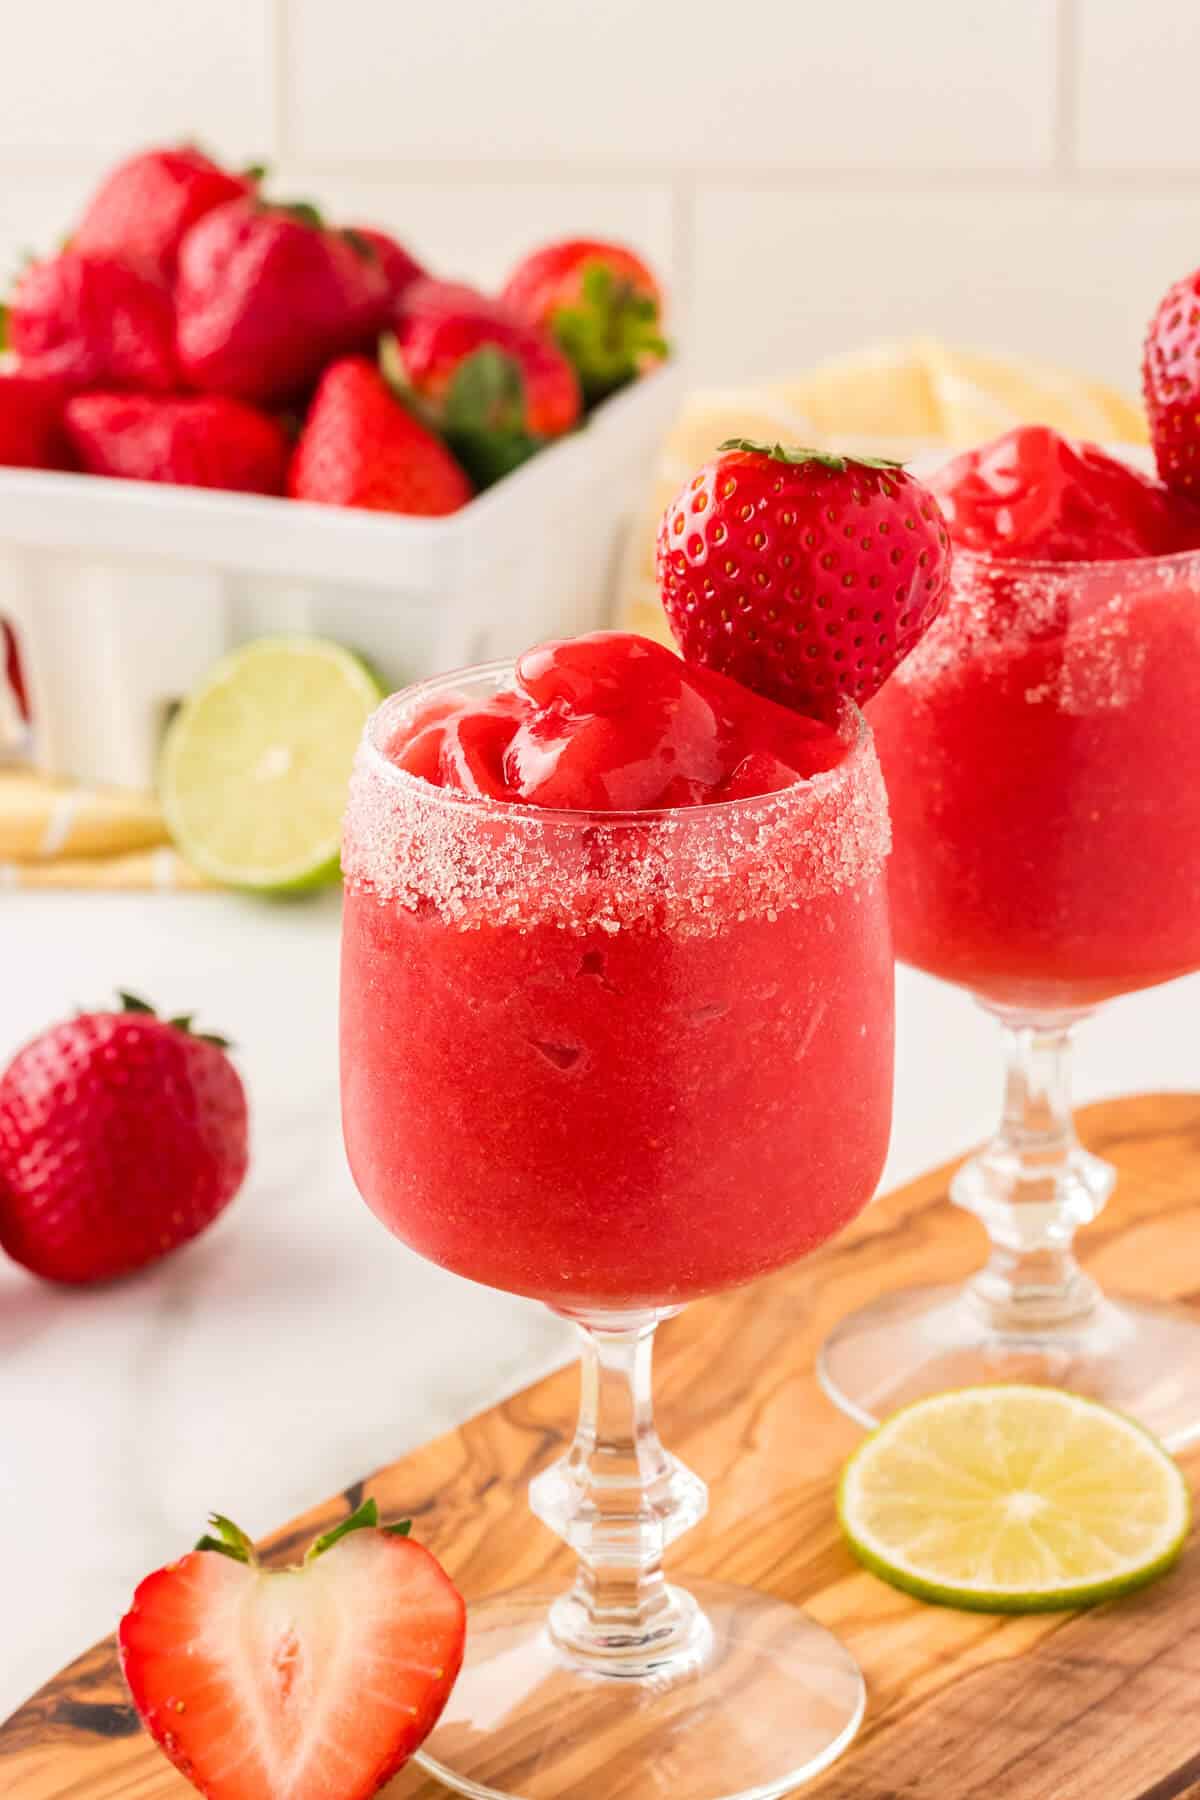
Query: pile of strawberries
(192, 331)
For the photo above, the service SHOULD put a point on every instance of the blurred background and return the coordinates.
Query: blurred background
(1015, 176)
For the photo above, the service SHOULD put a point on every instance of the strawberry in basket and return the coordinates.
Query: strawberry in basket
(268, 295)
(89, 319)
(494, 385)
(143, 210)
(602, 304)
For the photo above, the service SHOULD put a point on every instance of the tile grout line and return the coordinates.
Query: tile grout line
(774, 178)
(1066, 133)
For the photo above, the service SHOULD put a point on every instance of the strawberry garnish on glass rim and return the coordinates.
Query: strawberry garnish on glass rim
(805, 574)
(305, 1683)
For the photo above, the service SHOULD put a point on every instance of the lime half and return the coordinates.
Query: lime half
(255, 763)
(1013, 1499)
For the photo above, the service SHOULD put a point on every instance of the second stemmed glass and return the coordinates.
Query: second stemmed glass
(615, 1062)
(1042, 753)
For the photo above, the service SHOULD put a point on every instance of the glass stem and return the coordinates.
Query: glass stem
(618, 1499)
(1034, 1184)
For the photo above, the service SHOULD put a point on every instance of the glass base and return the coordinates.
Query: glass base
(1142, 1359)
(752, 1699)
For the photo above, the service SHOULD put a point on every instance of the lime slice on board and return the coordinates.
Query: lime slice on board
(1013, 1499)
(255, 763)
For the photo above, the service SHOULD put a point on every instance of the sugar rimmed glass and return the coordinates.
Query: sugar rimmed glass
(1042, 753)
(615, 1062)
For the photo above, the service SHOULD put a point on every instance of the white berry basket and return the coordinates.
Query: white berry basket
(121, 594)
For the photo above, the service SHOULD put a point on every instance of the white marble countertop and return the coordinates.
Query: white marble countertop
(295, 1346)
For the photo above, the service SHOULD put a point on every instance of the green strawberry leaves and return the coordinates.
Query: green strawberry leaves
(303, 211)
(797, 456)
(610, 333)
(364, 1518)
(130, 1003)
(228, 1539)
(483, 415)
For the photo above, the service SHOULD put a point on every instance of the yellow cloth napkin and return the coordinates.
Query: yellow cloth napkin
(57, 834)
(896, 399)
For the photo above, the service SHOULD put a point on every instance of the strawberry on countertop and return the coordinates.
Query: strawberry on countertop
(94, 320)
(361, 447)
(601, 302)
(804, 575)
(31, 422)
(493, 384)
(143, 209)
(191, 440)
(122, 1135)
(311, 1683)
(268, 295)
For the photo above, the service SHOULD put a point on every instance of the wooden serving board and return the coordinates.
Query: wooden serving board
(1098, 1706)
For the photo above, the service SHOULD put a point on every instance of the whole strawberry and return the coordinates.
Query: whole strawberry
(602, 304)
(805, 576)
(31, 422)
(315, 1682)
(496, 386)
(122, 1135)
(1171, 384)
(192, 440)
(268, 295)
(94, 321)
(143, 209)
(400, 269)
(361, 447)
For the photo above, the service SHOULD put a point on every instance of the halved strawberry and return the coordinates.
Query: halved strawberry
(310, 1683)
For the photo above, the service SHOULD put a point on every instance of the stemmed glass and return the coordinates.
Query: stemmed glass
(614, 1062)
(1042, 753)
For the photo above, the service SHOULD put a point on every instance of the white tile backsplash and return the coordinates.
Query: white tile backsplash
(1137, 71)
(807, 177)
(767, 84)
(97, 75)
(784, 277)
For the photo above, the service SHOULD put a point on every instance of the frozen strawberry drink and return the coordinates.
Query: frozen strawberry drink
(617, 1033)
(617, 995)
(1042, 755)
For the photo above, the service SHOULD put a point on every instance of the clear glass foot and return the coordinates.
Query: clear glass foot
(1031, 1314)
(753, 1701)
(627, 1687)
(1140, 1358)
